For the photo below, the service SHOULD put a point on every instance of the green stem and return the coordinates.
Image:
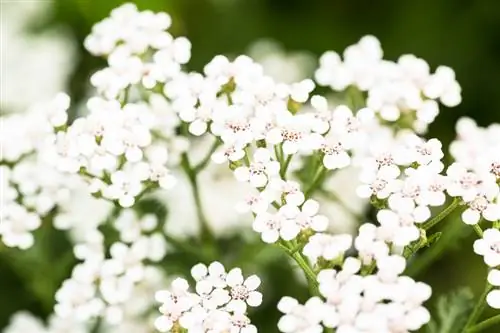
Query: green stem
(439, 217)
(303, 264)
(203, 163)
(485, 324)
(318, 178)
(430, 255)
(478, 309)
(284, 167)
(206, 232)
(478, 230)
(278, 155)
(97, 326)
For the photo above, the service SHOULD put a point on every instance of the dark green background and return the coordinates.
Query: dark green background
(463, 34)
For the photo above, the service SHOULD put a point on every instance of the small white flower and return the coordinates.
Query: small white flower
(329, 247)
(489, 247)
(242, 291)
(261, 169)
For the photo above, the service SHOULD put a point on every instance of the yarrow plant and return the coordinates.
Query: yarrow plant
(152, 126)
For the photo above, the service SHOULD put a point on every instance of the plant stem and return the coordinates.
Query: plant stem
(284, 167)
(430, 255)
(303, 264)
(97, 325)
(206, 232)
(439, 217)
(485, 324)
(318, 178)
(203, 163)
(278, 155)
(478, 230)
(478, 309)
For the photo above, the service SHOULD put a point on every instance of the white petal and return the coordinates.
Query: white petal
(494, 277)
(470, 216)
(493, 299)
(252, 282)
(234, 277)
(254, 299)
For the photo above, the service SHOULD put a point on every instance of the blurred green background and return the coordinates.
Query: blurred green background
(462, 34)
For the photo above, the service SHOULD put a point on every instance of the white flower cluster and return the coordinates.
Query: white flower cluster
(219, 304)
(475, 176)
(103, 286)
(110, 147)
(381, 303)
(31, 187)
(404, 177)
(489, 247)
(282, 142)
(138, 48)
(403, 91)
(22, 322)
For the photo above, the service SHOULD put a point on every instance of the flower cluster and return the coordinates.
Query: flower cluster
(475, 175)
(138, 48)
(284, 144)
(102, 286)
(110, 147)
(219, 304)
(384, 302)
(31, 187)
(404, 91)
(403, 177)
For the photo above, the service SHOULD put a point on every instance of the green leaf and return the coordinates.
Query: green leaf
(451, 311)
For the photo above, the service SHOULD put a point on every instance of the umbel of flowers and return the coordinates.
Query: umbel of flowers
(283, 143)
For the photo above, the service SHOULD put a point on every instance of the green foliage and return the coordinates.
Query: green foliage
(451, 311)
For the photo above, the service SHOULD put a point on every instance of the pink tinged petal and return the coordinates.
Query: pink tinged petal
(163, 324)
(289, 211)
(470, 216)
(287, 324)
(310, 207)
(492, 259)
(421, 214)
(204, 287)
(491, 235)
(494, 277)
(290, 147)
(249, 329)
(237, 306)
(258, 181)
(493, 299)
(274, 136)
(363, 191)
(319, 223)
(273, 168)
(234, 277)
(254, 299)
(126, 201)
(199, 271)
(242, 174)
(216, 269)
(295, 198)
(287, 304)
(252, 282)
(492, 212)
(270, 236)
(289, 230)
(480, 247)
(262, 155)
(197, 127)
